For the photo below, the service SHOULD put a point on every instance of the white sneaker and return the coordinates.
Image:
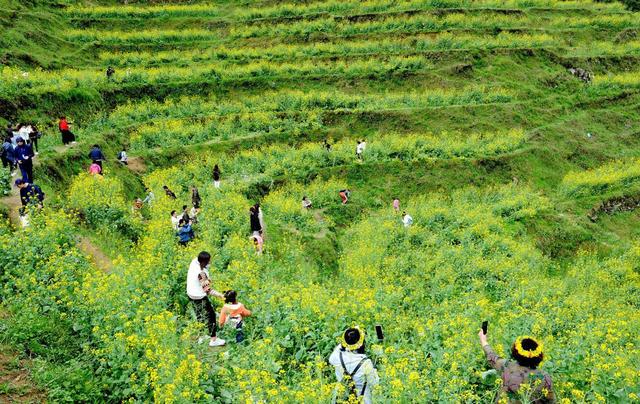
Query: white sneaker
(74, 142)
(217, 342)
(36, 153)
(13, 174)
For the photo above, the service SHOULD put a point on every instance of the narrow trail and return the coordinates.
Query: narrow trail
(12, 202)
(98, 257)
(16, 385)
(318, 215)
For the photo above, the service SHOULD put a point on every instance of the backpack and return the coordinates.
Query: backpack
(350, 384)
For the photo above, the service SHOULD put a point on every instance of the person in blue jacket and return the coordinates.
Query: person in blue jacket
(96, 155)
(24, 157)
(30, 194)
(185, 232)
(8, 155)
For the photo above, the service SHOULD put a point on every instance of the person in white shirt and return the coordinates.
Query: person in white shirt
(306, 203)
(349, 359)
(406, 219)
(123, 158)
(199, 289)
(175, 219)
(362, 145)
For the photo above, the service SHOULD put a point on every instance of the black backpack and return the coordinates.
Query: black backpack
(349, 382)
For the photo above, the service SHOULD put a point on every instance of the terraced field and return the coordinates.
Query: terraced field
(473, 119)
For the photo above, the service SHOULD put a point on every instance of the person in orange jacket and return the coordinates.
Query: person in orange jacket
(233, 313)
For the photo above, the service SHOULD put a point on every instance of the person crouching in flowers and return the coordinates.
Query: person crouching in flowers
(521, 371)
(353, 368)
(233, 313)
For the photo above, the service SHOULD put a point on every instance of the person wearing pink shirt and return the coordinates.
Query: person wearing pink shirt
(94, 168)
(257, 242)
(396, 205)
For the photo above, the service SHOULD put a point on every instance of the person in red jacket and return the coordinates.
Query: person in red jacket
(233, 313)
(67, 136)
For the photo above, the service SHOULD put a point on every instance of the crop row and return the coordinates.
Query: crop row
(601, 48)
(335, 7)
(615, 175)
(297, 162)
(191, 121)
(442, 42)
(631, 79)
(14, 81)
(303, 30)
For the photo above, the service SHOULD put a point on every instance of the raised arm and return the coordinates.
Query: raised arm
(494, 360)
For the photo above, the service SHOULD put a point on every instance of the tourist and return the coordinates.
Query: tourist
(149, 198)
(185, 232)
(306, 203)
(110, 73)
(95, 168)
(96, 155)
(34, 135)
(396, 205)
(258, 242)
(123, 158)
(362, 145)
(30, 194)
(24, 157)
(260, 218)
(344, 195)
(195, 197)
(216, 176)
(8, 155)
(168, 192)
(198, 290)
(526, 354)
(353, 368)
(67, 136)
(406, 219)
(233, 313)
(175, 220)
(185, 214)
(254, 222)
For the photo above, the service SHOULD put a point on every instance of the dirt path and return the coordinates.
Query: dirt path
(320, 219)
(136, 164)
(99, 258)
(16, 385)
(12, 202)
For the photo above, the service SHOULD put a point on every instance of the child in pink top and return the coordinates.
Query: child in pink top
(233, 313)
(94, 169)
(257, 242)
(396, 204)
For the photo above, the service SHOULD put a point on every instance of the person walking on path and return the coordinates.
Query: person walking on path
(362, 145)
(306, 203)
(233, 313)
(258, 242)
(198, 289)
(169, 192)
(24, 158)
(67, 135)
(8, 155)
(254, 222)
(396, 205)
(195, 197)
(123, 158)
(216, 176)
(96, 155)
(344, 195)
(149, 198)
(30, 194)
(34, 135)
(353, 368)
(522, 369)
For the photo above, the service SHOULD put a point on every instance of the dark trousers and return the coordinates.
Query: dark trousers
(26, 168)
(206, 314)
(67, 136)
(7, 163)
(34, 143)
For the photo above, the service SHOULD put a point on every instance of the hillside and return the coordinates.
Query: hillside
(509, 131)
